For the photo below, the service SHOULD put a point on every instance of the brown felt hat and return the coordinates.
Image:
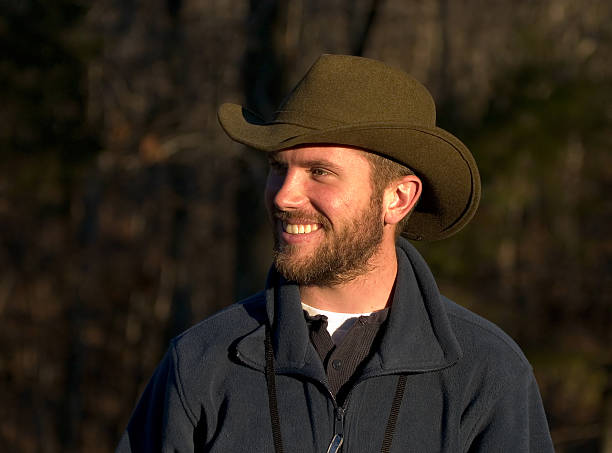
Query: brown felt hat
(355, 101)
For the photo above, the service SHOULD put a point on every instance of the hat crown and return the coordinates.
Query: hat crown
(345, 90)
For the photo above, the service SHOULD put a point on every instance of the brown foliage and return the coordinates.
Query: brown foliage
(126, 215)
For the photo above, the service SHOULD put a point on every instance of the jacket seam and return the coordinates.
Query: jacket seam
(180, 387)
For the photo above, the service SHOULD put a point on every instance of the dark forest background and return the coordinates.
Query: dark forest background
(126, 215)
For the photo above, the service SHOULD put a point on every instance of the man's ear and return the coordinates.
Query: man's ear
(400, 197)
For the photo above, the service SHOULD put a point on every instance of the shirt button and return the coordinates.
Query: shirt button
(337, 364)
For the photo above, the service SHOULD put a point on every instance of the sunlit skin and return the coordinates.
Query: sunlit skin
(330, 186)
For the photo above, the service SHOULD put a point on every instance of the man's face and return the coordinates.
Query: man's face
(327, 223)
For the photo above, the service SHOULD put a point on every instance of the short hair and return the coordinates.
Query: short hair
(383, 171)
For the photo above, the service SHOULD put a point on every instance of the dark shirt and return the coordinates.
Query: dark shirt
(343, 361)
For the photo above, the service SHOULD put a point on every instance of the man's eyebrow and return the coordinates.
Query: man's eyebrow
(321, 163)
(272, 159)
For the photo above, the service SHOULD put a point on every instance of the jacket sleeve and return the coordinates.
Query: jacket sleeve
(515, 423)
(161, 422)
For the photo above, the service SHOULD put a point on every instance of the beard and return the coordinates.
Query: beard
(342, 256)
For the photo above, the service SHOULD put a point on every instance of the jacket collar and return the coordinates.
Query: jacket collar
(417, 338)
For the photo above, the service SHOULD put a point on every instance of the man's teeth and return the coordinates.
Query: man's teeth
(293, 228)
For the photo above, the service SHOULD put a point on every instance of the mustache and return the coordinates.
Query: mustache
(300, 217)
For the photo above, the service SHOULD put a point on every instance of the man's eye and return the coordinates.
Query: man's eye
(318, 172)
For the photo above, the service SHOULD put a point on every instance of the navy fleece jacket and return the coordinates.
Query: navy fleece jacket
(469, 387)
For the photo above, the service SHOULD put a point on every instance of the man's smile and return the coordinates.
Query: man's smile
(300, 228)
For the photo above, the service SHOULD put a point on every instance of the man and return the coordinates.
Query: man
(350, 347)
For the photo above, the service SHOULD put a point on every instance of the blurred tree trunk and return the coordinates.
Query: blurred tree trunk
(181, 182)
(265, 71)
(606, 436)
(361, 25)
(444, 89)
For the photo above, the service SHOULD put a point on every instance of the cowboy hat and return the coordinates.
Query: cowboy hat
(355, 101)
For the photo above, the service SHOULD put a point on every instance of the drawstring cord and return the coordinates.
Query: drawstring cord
(271, 381)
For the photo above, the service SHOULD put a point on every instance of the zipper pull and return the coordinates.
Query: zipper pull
(338, 439)
(335, 444)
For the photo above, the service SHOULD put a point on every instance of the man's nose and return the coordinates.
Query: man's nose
(290, 192)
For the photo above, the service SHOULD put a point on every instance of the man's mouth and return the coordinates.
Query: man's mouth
(300, 228)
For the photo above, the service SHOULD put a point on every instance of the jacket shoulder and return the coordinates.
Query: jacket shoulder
(201, 357)
(482, 339)
(219, 331)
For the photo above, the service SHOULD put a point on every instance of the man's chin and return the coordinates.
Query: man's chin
(294, 265)
(293, 260)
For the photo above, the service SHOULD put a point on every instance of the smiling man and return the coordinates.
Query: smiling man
(350, 347)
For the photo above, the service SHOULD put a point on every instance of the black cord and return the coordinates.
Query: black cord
(270, 378)
(395, 407)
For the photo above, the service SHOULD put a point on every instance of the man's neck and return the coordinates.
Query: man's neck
(367, 293)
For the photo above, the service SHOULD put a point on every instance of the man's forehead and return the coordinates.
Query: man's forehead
(332, 153)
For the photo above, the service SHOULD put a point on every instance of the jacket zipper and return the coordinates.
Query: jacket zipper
(338, 437)
(339, 417)
(340, 413)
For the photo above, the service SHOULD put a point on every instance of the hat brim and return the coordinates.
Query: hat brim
(449, 173)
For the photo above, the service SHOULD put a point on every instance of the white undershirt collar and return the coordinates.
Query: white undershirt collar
(337, 324)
